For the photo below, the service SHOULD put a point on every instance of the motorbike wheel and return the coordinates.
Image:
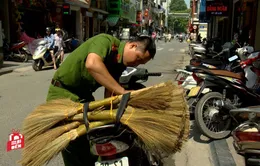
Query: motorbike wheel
(214, 117)
(137, 157)
(37, 65)
(58, 62)
(26, 57)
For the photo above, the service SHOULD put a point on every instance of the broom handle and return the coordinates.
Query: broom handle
(99, 116)
(116, 99)
(81, 130)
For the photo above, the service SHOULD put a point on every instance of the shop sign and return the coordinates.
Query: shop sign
(89, 14)
(218, 8)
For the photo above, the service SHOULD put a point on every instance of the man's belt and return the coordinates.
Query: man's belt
(56, 83)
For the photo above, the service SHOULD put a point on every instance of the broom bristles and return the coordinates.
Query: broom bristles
(160, 132)
(40, 141)
(54, 147)
(47, 115)
(50, 150)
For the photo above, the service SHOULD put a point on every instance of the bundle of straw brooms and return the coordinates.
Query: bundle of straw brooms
(158, 115)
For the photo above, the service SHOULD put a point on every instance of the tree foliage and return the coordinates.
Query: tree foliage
(177, 5)
(178, 25)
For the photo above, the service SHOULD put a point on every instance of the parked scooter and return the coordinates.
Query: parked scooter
(225, 91)
(247, 135)
(116, 144)
(185, 78)
(42, 56)
(16, 52)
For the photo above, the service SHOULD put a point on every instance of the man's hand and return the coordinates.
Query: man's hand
(98, 70)
(109, 93)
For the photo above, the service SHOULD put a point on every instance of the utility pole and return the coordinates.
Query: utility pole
(141, 7)
(166, 17)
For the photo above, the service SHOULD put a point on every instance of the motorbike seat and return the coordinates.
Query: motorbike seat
(199, 49)
(18, 45)
(195, 44)
(227, 73)
(214, 72)
(213, 62)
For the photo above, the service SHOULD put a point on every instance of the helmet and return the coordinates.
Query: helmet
(57, 29)
(48, 29)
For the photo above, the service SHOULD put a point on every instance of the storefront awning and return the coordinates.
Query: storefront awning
(99, 10)
(112, 20)
(80, 3)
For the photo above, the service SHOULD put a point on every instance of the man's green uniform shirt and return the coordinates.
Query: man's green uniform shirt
(73, 74)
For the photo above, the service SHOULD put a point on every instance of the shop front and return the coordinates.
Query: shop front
(75, 22)
(31, 17)
(219, 14)
(245, 20)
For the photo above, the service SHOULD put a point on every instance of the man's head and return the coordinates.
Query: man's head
(48, 31)
(139, 51)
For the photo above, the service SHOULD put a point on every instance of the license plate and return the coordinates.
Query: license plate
(194, 91)
(117, 162)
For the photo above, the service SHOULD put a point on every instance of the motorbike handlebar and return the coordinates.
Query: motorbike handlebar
(154, 74)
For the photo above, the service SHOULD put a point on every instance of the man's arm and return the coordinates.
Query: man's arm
(98, 70)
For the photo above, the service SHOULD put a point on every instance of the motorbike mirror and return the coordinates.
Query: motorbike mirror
(128, 71)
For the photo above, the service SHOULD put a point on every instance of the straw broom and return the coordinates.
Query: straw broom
(47, 115)
(158, 131)
(103, 115)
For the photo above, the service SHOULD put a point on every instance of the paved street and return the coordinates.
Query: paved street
(24, 89)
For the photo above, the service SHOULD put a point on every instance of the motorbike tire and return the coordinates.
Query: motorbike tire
(199, 118)
(37, 66)
(26, 57)
(58, 63)
(137, 157)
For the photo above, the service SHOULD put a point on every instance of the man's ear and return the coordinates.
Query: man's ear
(133, 45)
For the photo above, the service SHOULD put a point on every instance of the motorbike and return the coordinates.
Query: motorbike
(180, 39)
(206, 48)
(17, 51)
(230, 64)
(116, 144)
(246, 136)
(42, 56)
(225, 91)
(71, 44)
(186, 79)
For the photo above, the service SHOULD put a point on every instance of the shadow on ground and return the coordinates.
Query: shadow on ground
(197, 136)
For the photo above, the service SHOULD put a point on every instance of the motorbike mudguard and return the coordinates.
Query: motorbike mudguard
(206, 84)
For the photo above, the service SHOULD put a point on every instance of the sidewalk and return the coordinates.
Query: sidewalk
(10, 66)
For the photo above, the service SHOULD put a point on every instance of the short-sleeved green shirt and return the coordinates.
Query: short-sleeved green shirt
(73, 74)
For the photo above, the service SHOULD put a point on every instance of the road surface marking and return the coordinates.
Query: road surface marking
(182, 50)
(171, 49)
(159, 49)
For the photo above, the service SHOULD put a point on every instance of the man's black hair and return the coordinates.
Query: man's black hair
(147, 44)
